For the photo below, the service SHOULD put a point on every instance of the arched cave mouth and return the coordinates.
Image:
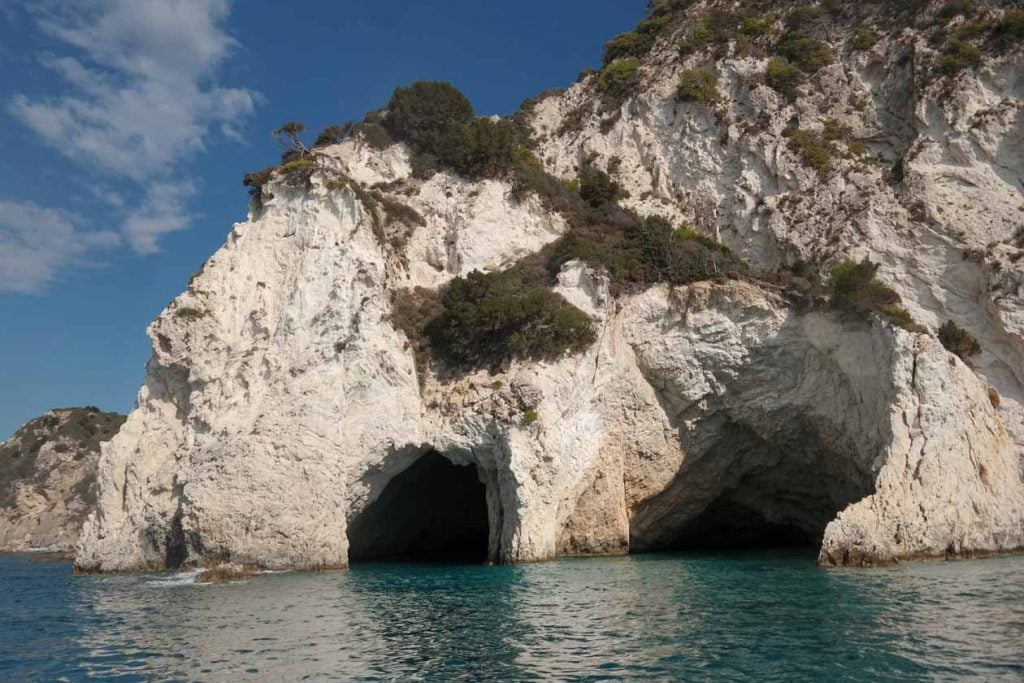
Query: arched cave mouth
(749, 492)
(433, 511)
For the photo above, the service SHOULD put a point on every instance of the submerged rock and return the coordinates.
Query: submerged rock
(48, 478)
(282, 400)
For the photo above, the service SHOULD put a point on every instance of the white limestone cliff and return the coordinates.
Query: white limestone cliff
(947, 234)
(281, 400)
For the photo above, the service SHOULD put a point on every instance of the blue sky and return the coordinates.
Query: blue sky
(128, 124)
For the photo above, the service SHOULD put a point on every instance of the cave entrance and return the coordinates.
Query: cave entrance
(728, 525)
(746, 491)
(433, 511)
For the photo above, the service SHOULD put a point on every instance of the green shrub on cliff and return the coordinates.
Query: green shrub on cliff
(487, 148)
(1010, 30)
(255, 180)
(959, 55)
(698, 85)
(783, 77)
(805, 53)
(596, 187)
(900, 317)
(958, 340)
(619, 79)
(865, 38)
(437, 122)
(637, 253)
(427, 115)
(955, 8)
(636, 43)
(332, 135)
(813, 148)
(855, 288)
(489, 319)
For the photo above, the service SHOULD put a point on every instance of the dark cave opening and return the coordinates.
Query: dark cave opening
(747, 491)
(727, 525)
(433, 511)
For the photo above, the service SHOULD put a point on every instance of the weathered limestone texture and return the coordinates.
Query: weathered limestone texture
(280, 399)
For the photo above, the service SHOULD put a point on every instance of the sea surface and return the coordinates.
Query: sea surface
(755, 616)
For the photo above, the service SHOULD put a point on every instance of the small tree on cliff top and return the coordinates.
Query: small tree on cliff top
(289, 137)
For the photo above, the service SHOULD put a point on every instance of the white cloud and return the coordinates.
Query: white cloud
(106, 195)
(163, 212)
(142, 97)
(37, 244)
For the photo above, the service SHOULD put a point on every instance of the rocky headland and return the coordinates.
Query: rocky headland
(757, 279)
(48, 478)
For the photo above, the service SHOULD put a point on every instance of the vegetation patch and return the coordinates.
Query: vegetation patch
(412, 310)
(375, 135)
(486, 320)
(958, 340)
(428, 115)
(814, 150)
(854, 287)
(397, 212)
(636, 43)
(437, 122)
(1010, 29)
(698, 85)
(487, 149)
(638, 253)
(959, 55)
(489, 319)
(805, 53)
(255, 181)
(595, 187)
(298, 164)
(392, 221)
(297, 169)
(332, 135)
(806, 17)
(783, 77)
(716, 29)
(956, 8)
(865, 38)
(900, 317)
(619, 79)
(686, 232)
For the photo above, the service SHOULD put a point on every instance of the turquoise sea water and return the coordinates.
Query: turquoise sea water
(758, 616)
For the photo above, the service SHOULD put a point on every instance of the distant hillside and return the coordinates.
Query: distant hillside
(48, 477)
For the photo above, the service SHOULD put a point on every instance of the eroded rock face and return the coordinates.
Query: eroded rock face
(935, 197)
(281, 401)
(48, 478)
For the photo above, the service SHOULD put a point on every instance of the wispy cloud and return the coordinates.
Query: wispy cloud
(37, 244)
(164, 211)
(141, 97)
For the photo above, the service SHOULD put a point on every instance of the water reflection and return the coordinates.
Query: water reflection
(760, 616)
(442, 621)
